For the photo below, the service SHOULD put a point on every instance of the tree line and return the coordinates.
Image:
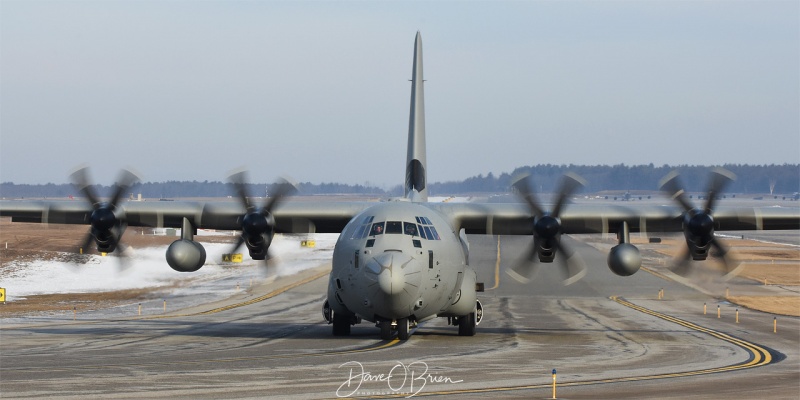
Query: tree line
(782, 179)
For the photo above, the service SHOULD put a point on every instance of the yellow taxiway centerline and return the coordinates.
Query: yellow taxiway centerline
(759, 356)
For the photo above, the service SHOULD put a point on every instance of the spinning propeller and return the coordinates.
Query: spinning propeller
(698, 223)
(547, 233)
(107, 219)
(258, 223)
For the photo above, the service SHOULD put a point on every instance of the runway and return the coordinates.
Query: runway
(607, 337)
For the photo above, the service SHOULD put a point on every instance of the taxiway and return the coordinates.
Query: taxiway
(607, 337)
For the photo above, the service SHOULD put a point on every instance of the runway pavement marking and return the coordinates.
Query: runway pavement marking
(658, 274)
(759, 356)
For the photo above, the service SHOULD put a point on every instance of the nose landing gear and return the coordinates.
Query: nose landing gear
(402, 326)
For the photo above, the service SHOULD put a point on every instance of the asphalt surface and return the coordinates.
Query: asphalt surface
(607, 337)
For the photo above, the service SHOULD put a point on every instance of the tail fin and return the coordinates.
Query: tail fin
(416, 177)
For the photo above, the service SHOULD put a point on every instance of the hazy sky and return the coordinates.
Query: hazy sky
(319, 91)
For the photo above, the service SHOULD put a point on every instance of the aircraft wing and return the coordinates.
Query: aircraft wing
(516, 219)
(297, 217)
(475, 218)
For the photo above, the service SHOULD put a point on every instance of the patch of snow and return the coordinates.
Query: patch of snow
(147, 267)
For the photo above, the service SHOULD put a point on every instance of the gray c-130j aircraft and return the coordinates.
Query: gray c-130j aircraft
(401, 262)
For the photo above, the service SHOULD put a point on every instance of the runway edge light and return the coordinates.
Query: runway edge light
(3, 295)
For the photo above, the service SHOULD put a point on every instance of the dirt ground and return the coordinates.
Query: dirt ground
(766, 263)
(777, 264)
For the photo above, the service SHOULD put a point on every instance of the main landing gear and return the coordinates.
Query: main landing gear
(467, 323)
(341, 322)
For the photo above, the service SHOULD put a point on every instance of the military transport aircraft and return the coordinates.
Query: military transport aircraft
(401, 262)
(627, 196)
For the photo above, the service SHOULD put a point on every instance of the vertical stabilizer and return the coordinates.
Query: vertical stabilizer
(416, 177)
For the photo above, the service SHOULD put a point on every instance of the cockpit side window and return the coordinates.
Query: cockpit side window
(362, 230)
(377, 229)
(359, 232)
(394, 227)
(426, 229)
(410, 229)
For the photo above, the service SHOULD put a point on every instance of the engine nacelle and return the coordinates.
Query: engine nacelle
(624, 259)
(186, 255)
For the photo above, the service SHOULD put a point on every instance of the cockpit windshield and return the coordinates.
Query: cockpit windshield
(394, 227)
(423, 228)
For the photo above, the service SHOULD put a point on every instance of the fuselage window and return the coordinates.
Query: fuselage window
(394, 227)
(377, 229)
(410, 229)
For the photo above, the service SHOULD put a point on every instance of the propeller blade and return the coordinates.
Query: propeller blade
(522, 184)
(523, 272)
(672, 186)
(569, 184)
(238, 180)
(239, 243)
(720, 178)
(125, 181)
(268, 268)
(281, 190)
(680, 264)
(87, 241)
(574, 267)
(525, 268)
(123, 262)
(80, 178)
(732, 266)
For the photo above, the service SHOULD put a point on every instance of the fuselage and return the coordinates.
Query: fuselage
(400, 259)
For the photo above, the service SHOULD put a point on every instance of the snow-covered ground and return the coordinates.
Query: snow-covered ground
(147, 268)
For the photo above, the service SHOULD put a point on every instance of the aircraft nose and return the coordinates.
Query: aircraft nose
(394, 271)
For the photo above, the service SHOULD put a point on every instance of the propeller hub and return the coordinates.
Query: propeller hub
(103, 218)
(701, 224)
(547, 227)
(255, 224)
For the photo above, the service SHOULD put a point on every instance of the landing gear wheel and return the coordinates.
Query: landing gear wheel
(466, 325)
(341, 325)
(386, 329)
(402, 329)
